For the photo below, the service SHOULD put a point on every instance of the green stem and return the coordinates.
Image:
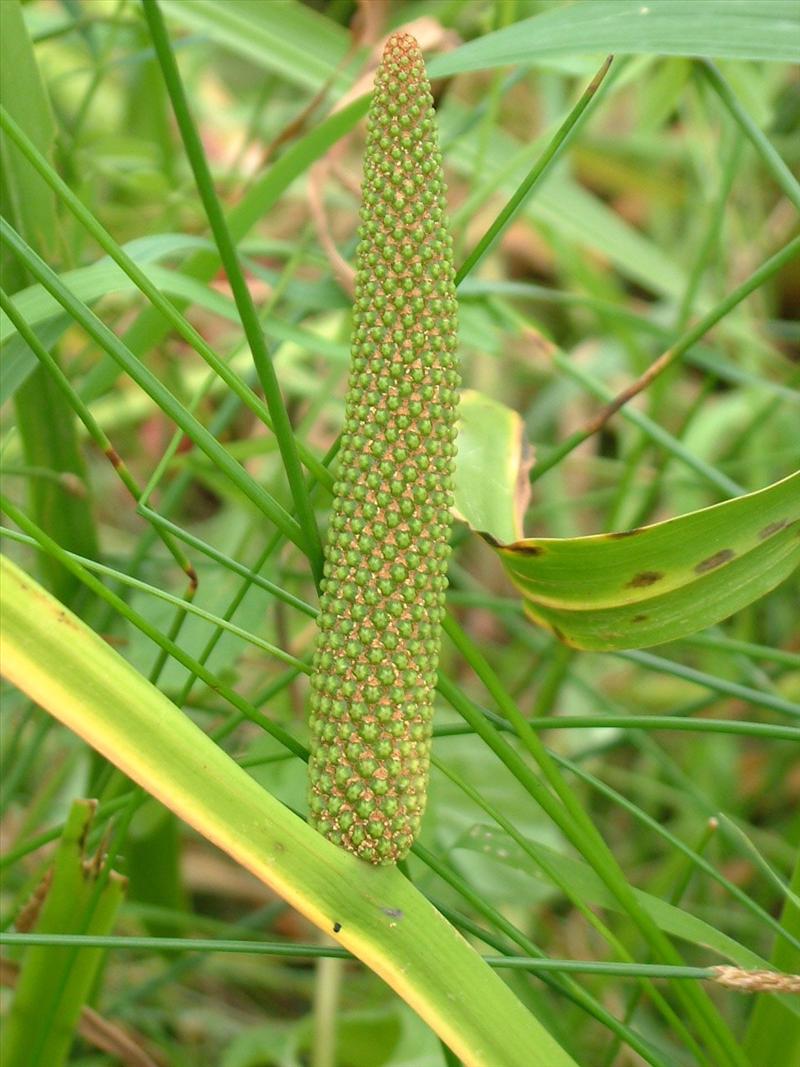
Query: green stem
(557, 143)
(766, 271)
(284, 433)
(784, 178)
(177, 321)
(295, 951)
(151, 385)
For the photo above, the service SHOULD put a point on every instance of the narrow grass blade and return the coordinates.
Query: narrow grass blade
(773, 1032)
(152, 386)
(45, 423)
(557, 143)
(779, 170)
(282, 427)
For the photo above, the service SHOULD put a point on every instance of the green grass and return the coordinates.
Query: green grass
(604, 828)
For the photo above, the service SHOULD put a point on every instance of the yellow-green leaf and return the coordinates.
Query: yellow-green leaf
(492, 466)
(375, 912)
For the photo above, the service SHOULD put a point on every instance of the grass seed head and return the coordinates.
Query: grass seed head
(386, 560)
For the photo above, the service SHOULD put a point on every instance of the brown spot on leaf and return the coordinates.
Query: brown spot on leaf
(716, 560)
(66, 619)
(559, 633)
(773, 528)
(29, 913)
(640, 618)
(619, 534)
(522, 548)
(645, 578)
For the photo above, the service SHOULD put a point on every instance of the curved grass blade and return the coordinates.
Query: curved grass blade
(373, 911)
(644, 587)
(634, 588)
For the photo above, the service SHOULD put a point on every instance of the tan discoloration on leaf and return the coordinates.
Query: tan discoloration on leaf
(712, 562)
(522, 487)
(773, 528)
(29, 913)
(644, 579)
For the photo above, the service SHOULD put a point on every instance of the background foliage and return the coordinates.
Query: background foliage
(669, 192)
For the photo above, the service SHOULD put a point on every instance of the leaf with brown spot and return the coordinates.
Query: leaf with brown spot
(632, 588)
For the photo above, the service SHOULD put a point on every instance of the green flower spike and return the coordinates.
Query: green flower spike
(386, 562)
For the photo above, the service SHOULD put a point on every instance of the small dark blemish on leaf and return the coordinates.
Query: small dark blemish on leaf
(773, 528)
(67, 620)
(559, 633)
(393, 913)
(619, 534)
(645, 578)
(640, 618)
(715, 561)
(521, 548)
(337, 927)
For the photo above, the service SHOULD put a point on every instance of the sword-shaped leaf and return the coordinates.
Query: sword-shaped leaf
(634, 588)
